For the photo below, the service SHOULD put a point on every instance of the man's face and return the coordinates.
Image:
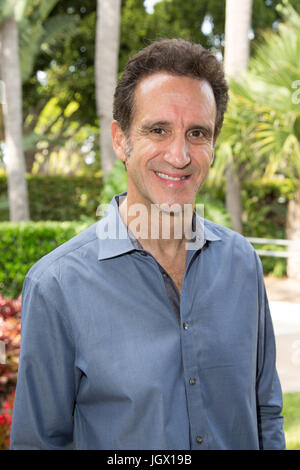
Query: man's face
(171, 140)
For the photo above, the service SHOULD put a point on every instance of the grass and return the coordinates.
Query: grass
(291, 413)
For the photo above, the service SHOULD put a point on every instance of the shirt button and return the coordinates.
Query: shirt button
(192, 381)
(199, 439)
(143, 253)
(185, 325)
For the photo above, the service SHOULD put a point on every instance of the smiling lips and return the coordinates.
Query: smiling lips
(169, 177)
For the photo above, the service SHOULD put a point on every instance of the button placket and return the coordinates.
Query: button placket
(192, 380)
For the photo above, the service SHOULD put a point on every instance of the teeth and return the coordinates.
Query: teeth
(166, 177)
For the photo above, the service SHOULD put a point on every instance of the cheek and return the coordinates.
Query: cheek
(204, 157)
(145, 152)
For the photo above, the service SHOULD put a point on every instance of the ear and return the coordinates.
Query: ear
(118, 141)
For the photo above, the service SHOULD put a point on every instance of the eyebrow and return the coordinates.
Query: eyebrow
(150, 125)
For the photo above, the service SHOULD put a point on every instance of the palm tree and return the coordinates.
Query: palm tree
(106, 68)
(22, 38)
(12, 113)
(262, 126)
(237, 26)
(37, 30)
(278, 134)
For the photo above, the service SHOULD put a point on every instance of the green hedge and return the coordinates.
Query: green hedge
(265, 206)
(57, 197)
(24, 243)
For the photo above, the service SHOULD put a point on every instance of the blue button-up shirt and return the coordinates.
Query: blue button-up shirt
(106, 364)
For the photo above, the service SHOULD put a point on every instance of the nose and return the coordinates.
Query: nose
(177, 153)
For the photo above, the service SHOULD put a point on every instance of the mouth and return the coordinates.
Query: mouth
(171, 178)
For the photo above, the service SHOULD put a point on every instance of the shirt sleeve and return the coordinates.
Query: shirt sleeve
(269, 393)
(45, 392)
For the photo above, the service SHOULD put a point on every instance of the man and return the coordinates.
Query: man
(132, 339)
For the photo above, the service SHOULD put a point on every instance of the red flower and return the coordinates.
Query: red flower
(2, 420)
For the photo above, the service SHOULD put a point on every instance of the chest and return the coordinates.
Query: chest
(174, 268)
(127, 338)
(177, 277)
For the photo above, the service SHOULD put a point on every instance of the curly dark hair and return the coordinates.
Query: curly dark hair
(176, 57)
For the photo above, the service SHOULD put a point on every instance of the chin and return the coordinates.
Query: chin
(170, 208)
(173, 206)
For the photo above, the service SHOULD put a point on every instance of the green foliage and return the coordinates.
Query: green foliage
(116, 182)
(214, 210)
(260, 132)
(212, 198)
(39, 34)
(64, 48)
(6, 8)
(58, 197)
(265, 208)
(291, 425)
(175, 18)
(62, 142)
(264, 216)
(24, 243)
(265, 204)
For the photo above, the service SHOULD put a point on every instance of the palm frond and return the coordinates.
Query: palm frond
(39, 35)
(262, 120)
(55, 27)
(6, 8)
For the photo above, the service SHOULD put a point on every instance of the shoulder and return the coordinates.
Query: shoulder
(229, 239)
(78, 246)
(233, 252)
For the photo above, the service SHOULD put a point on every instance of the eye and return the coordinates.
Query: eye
(196, 133)
(158, 131)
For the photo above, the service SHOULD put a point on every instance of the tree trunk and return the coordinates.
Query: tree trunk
(106, 69)
(12, 113)
(29, 156)
(293, 233)
(237, 26)
(234, 203)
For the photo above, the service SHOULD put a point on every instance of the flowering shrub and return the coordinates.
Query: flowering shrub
(5, 421)
(10, 335)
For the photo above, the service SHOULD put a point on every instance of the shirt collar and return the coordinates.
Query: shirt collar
(114, 239)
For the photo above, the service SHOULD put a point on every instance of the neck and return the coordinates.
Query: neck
(158, 230)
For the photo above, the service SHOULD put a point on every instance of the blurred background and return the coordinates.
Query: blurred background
(59, 63)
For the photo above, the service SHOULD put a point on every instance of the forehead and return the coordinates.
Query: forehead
(165, 92)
